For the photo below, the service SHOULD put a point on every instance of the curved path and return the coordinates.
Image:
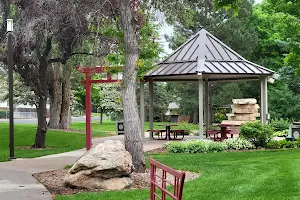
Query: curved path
(17, 183)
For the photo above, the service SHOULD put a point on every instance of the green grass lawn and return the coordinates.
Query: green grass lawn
(259, 175)
(56, 141)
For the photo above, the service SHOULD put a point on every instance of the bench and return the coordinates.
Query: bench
(159, 181)
(215, 133)
(232, 132)
(159, 134)
(176, 133)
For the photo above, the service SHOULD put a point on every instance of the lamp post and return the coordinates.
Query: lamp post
(10, 89)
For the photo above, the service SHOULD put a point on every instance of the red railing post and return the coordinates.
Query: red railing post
(88, 110)
(152, 177)
(178, 181)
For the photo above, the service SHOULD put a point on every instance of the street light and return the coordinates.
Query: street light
(10, 89)
(10, 25)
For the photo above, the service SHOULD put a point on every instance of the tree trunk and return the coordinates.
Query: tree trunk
(101, 116)
(66, 94)
(133, 137)
(42, 110)
(195, 117)
(55, 96)
(42, 124)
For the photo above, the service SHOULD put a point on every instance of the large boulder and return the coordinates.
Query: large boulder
(106, 166)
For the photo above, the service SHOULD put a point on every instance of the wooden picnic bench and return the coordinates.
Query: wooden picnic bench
(177, 133)
(215, 134)
(162, 134)
(159, 134)
(159, 181)
(231, 132)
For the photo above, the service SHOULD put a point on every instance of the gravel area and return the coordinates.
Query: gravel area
(54, 181)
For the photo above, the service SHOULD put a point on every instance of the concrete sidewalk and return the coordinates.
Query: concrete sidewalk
(17, 183)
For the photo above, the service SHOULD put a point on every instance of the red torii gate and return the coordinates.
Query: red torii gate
(88, 71)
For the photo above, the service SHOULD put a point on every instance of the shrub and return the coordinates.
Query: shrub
(274, 144)
(256, 133)
(287, 144)
(280, 124)
(217, 146)
(187, 127)
(195, 146)
(297, 142)
(283, 133)
(220, 115)
(175, 147)
(238, 144)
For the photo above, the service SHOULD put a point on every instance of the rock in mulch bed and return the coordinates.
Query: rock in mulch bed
(54, 181)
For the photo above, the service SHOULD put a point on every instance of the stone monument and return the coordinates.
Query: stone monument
(243, 110)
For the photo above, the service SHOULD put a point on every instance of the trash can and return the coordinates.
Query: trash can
(120, 127)
(295, 130)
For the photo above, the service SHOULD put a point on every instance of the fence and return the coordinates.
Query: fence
(25, 115)
(5, 114)
(175, 180)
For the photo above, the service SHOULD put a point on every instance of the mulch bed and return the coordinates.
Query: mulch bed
(158, 150)
(54, 181)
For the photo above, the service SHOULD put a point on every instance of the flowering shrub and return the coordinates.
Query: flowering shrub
(195, 146)
(238, 144)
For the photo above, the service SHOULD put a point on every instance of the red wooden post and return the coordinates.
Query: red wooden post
(88, 98)
(88, 110)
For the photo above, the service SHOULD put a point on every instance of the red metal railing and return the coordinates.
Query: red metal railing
(162, 182)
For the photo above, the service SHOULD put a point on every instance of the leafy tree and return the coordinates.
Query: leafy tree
(283, 103)
(111, 101)
(186, 95)
(161, 99)
(277, 24)
(226, 93)
(40, 28)
(288, 76)
(22, 93)
(290, 9)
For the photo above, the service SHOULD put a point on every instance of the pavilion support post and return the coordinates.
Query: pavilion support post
(200, 86)
(142, 108)
(151, 108)
(264, 100)
(207, 123)
(88, 110)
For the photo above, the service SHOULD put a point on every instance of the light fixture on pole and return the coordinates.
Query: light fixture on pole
(10, 25)
(10, 89)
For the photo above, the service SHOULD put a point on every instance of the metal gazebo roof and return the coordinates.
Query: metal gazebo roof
(206, 55)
